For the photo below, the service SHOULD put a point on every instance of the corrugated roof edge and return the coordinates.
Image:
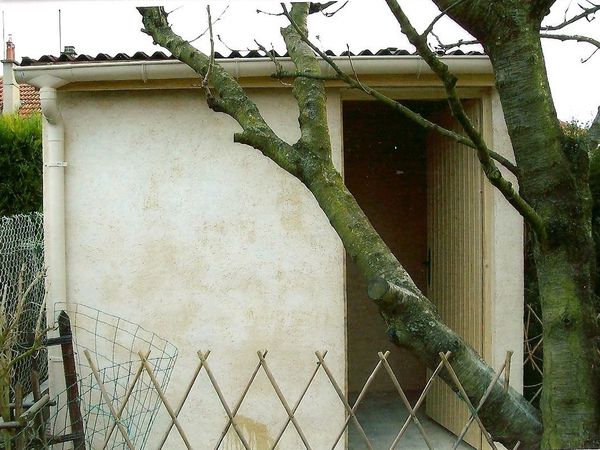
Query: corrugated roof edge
(160, 56)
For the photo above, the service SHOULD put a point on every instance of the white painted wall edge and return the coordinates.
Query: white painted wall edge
(57, 75)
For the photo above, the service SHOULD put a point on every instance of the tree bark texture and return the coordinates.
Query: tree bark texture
(410, 317)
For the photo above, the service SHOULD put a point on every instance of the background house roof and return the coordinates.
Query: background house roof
(30, 99)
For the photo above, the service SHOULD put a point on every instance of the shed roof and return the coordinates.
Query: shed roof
(161, 56)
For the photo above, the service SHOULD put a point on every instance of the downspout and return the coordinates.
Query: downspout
(54, 200)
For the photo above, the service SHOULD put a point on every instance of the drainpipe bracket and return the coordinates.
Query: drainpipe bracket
(57, 164)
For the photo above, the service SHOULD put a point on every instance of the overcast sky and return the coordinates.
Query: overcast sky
(112, 27)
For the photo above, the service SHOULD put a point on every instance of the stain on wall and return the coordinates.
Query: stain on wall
(255, 433)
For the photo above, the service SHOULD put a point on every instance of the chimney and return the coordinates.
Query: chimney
(11, 100)
(69, 50)
(10, 49)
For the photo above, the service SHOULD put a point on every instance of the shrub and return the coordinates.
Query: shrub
(20, 164)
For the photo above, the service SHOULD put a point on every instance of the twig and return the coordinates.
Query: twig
(226, 46)
(571, 37)
(260, 11)
(332, 13)
(460, 43)
(210, 24)
(429, 29)
(211, 61)
(353, 69)
(585, 14)
(272, 56)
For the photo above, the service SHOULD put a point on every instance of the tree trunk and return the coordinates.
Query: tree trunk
(555, 181)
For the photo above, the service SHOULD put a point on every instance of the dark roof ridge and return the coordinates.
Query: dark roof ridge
(249, 54)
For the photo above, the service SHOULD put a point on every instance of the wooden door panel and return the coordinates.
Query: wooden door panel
(455, 242)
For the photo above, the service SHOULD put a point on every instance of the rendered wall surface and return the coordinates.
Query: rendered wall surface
(210, 245)
(507, 264)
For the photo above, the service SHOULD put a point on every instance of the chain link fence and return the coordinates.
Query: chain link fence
(21, 263)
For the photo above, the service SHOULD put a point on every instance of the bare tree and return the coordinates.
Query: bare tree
(553, 197)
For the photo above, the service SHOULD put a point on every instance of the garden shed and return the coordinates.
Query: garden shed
(154, 214)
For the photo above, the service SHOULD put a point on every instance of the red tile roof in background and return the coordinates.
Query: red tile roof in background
(30, 99)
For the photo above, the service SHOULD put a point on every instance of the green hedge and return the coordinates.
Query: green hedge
(20, 164)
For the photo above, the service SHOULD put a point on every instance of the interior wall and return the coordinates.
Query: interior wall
(385, 169)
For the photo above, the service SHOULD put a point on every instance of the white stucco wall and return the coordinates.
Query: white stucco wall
(210, 245)
(507, 275)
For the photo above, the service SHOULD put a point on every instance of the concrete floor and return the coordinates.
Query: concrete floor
(382, 416)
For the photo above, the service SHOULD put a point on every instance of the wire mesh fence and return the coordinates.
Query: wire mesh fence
(105, 370)
(21, 263)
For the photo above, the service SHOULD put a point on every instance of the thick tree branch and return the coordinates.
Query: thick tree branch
(231, 98)
(309, 92)
(483, 153)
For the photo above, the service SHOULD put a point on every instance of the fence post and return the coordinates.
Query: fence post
(68, 356)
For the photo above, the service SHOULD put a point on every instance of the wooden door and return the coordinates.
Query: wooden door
(455, 246)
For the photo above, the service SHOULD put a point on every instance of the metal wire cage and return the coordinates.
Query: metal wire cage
(104, 356)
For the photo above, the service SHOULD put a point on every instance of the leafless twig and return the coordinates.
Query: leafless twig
(587, 14)
(210, 24)
(260, 11)
(574, 37)
(272, 56)
(429, 29)
(362, 86)
(445, 47)
(333, 13)
(211, 61)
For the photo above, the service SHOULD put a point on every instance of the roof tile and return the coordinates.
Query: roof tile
(30, 99)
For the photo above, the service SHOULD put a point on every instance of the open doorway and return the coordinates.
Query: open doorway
(386, 169)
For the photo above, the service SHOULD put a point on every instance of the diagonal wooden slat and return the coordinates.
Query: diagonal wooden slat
(466, 399)
(282, 399)
(295, 408)
(480, 404)
(136, 377)
(350, 410)
(183, 400)
(408, 406)
(164, 400)
(239, 403)
(420, 401)
(107, 400)
(217, 389)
